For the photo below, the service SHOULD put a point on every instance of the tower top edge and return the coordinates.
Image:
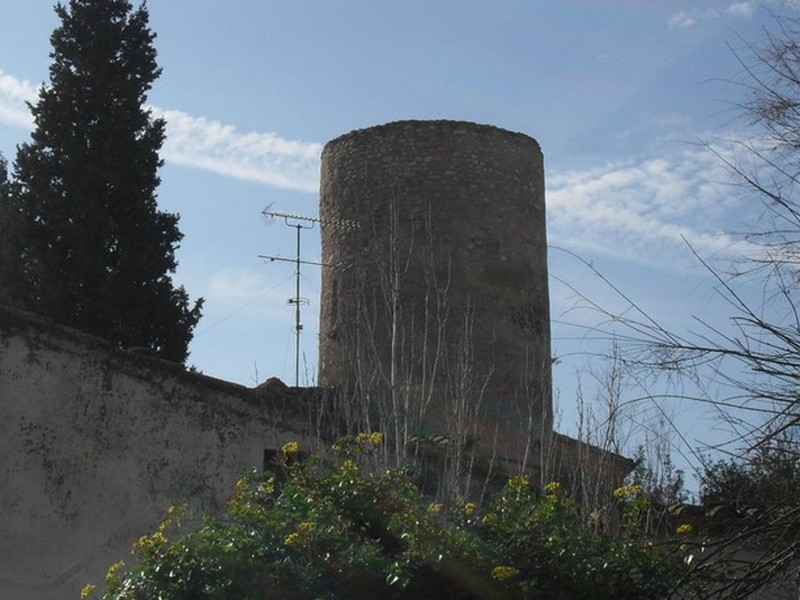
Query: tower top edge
(420, 125)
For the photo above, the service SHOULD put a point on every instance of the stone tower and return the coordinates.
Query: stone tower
(434, 311)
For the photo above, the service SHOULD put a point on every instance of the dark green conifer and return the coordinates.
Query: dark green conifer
(91, 248)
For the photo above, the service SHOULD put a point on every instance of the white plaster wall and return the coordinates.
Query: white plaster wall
(97, 443)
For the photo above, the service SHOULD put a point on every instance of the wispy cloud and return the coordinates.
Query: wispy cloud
(241, 292)
(641, 210)
(647, 210)
(232, 287)
(688, 18)
(262, 157)
(742, 10)
(682, 19)
(202, 143)
(237, 293)
(14, 93)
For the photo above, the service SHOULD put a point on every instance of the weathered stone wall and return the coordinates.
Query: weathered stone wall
(97, 444)
(437, 231)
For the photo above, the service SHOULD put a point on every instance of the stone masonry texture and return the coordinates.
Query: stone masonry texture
(435, 230)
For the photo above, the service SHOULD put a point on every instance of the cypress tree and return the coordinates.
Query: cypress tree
(91, 248)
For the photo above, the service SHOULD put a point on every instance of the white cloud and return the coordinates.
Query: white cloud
(229, 292)
(14, 93)
(682, 19)
(689, 18)
(201, 143)
(262, 157)
(639, 210)
(235, 286)
(647, 210)
(742, 10)
(248, 295)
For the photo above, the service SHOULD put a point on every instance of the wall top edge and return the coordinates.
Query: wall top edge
(13, 321)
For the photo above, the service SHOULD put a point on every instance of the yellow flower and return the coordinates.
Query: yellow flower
(149, 542)
(375, 438)
(113, 571)
(553, 491)
(349, 465)
(87, 591)
(291, 539)
(306, 527)
(174, 515)
(684, 529)
(502, 573)
(489, 519)
(299, 535)
(289, 448)
(552, 488)
(518, 482)
(435, 507)
(627, 491)
(469, 508)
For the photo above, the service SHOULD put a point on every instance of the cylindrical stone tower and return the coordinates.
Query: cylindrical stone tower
(434, 312)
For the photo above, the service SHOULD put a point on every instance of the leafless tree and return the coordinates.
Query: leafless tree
(410, 362)
(748, 369)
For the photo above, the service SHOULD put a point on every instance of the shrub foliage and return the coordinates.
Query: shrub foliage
(338, 525)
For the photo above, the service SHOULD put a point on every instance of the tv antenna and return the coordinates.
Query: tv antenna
(299, 222)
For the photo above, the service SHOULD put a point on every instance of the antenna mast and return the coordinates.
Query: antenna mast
(300, 222)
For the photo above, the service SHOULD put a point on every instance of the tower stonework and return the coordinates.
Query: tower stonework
(435, 309)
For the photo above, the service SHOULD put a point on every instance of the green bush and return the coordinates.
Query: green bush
(337, 525)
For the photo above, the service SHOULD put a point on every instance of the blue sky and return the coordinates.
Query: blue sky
(617, 93)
